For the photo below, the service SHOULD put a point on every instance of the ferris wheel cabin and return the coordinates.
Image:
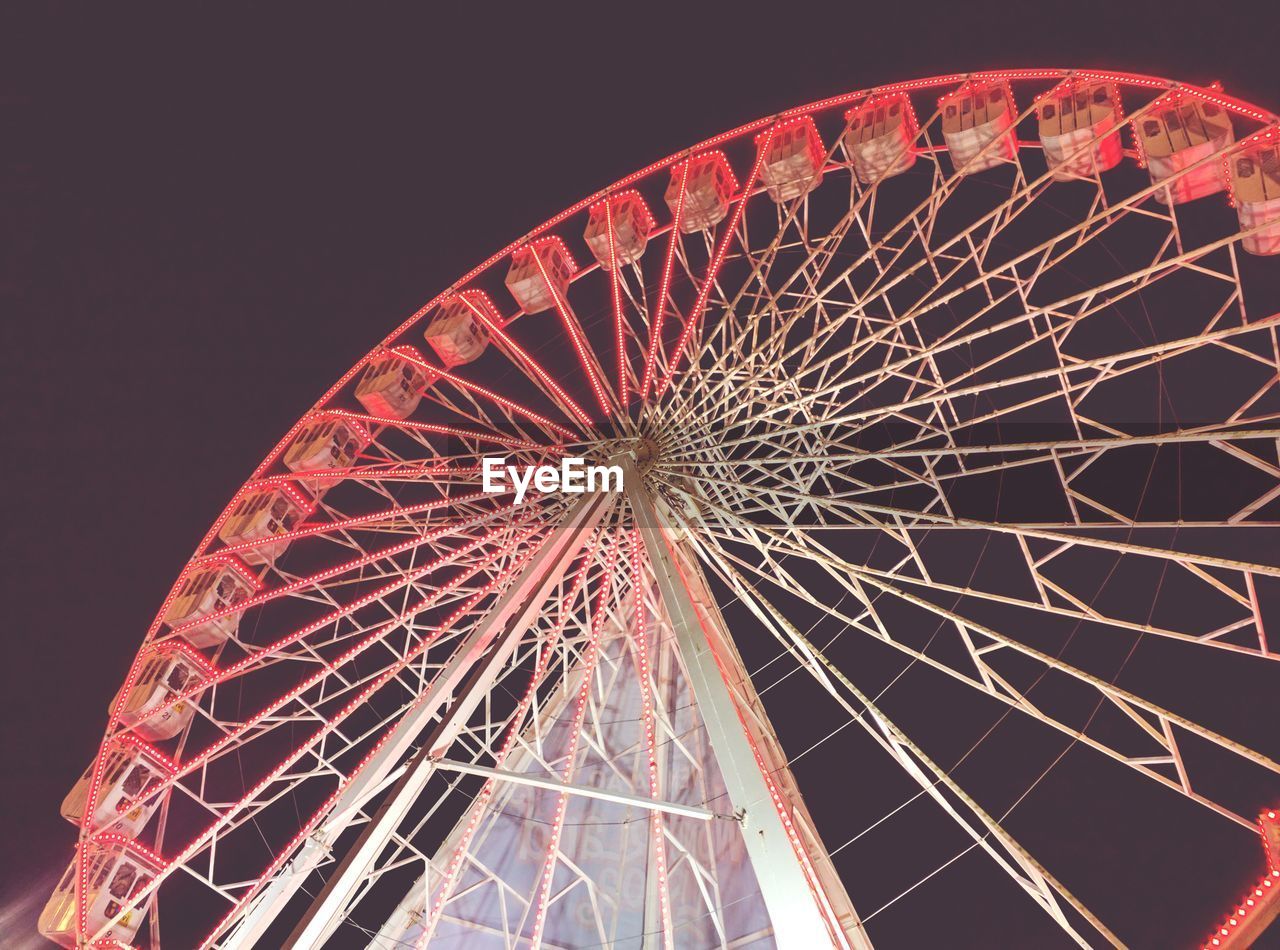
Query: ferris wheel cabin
(326, 445)
(540, 273)
(1255, 187)
(457, 334)
(209, 589)
(391, 388)
(1179, 134)
(169, 670)
(261, 515)
(632, 223)
(116, 869)
(977, 125)
(130, 771)
(1080, 128)
(793, 159)
(881, 137)
(708, 186)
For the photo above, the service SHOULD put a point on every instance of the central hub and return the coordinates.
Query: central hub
(645, 451)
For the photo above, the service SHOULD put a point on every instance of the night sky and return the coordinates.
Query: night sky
(207, 217)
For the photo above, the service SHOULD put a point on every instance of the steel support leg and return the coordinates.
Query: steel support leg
(804, 898)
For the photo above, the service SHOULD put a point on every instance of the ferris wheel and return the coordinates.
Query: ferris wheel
(945, 395)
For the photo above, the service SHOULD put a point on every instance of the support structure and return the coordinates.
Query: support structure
(637, 801)
(805, 900)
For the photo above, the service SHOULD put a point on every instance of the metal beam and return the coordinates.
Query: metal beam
(808, 907)
(555, 785)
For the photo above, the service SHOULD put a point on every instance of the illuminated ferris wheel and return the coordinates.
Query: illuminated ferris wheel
(908, 392)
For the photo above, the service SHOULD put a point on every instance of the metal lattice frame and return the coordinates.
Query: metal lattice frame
(807, 394)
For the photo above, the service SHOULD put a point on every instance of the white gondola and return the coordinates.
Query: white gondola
(391, 388)
(881, 137)
(169, 670)
(708, 187)
(457, 333)
(1255, 185)
(632, 223)
(131, 771)
(324, 445)
(977, 125)
(219, 582)
(1080, 128)
(792, 164)
(1178, 134)
(263, 514)
(116, 869)
(536, 268)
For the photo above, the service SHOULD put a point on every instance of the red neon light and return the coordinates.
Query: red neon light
(1258, 908)
(436, 429)
(618, 333)
(655, 321)
(571, 754)
(412, 355)
(704, 292)
(230, 560)
(643, 671)
(534, 366)
(570, 321)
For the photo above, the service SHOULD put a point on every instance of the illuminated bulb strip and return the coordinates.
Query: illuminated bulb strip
(436, 429)
(557, 242)
(318, 417)
(637, 200)
(643, 671)
(1263, 896)
(329, 527)
(331, 668)
(161, 760)
(656, 316)
(713, 269)
(413, 356)
(533, 365)
(249, 662)
(575, 334)
(312, 580)
(128, 845)
(834, 930)
(100, 761)
(230, 560)
(588, 666)
(299, 498)
(439, 469)
(619, 338)
(318, 816)
(449, 879)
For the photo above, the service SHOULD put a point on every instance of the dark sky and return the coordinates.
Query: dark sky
(208, 216)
